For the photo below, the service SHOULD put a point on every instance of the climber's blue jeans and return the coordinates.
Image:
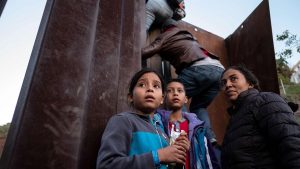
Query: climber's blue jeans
(202, 85)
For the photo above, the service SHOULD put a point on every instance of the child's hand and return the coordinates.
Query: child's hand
(172, 154)
(183, 141)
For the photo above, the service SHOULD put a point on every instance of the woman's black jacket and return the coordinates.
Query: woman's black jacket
(262, 133)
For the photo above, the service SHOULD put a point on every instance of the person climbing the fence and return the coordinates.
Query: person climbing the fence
(158, 11)
(198, 69)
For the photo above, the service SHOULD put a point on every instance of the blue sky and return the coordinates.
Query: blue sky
(20, 21)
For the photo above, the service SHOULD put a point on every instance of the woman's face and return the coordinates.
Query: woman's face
(234, 83)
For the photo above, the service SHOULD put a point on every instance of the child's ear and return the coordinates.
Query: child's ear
(162, 100)
(186, 99)
(129, 98)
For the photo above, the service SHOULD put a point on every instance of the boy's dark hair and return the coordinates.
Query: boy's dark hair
(139, 74)
(176, 80)
(249, 76)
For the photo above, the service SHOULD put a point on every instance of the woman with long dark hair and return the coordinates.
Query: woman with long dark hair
(262, 130)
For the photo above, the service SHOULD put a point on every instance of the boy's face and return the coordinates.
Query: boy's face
(175, 96)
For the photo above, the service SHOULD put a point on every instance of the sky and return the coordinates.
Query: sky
(20, 20)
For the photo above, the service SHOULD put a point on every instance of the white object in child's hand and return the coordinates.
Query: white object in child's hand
(174, 135)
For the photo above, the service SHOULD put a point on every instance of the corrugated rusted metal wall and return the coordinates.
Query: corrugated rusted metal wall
(252, 44)
(84, 56)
